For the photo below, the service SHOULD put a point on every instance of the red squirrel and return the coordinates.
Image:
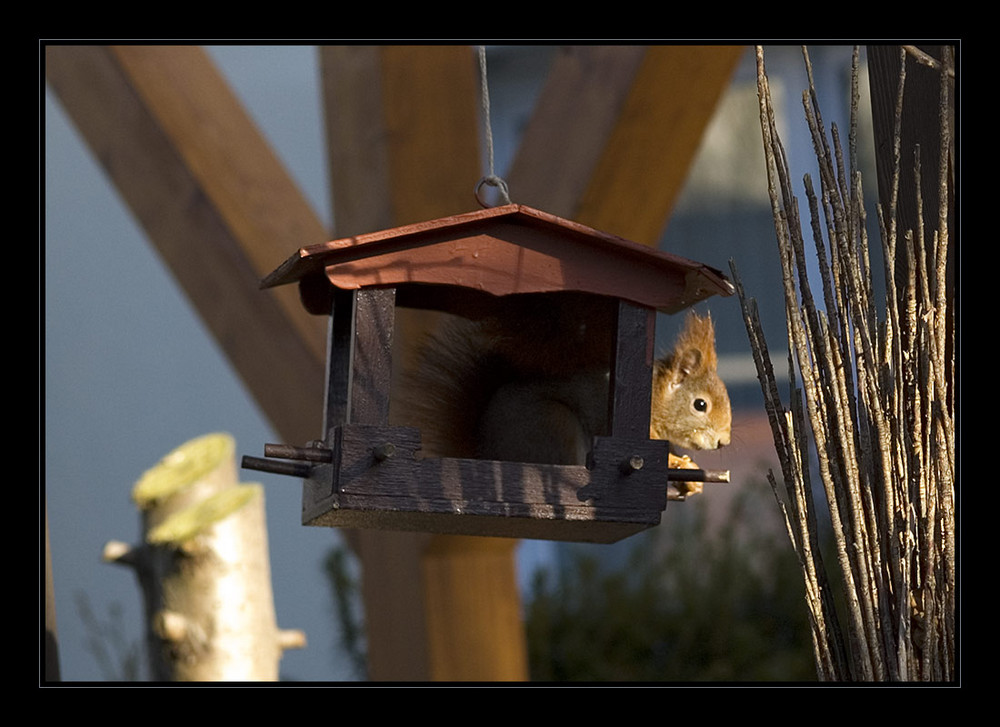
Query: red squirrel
(532, 386)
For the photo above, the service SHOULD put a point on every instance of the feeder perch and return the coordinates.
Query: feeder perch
(365, 473)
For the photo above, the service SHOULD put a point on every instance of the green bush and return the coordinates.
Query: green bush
(690, 603)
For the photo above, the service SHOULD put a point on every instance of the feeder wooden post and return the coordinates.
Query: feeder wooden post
(361, 327)
(632, 372)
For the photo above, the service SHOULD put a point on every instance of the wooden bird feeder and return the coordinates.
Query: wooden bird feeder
(365, 473)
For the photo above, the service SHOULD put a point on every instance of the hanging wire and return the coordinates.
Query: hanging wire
(490, 179)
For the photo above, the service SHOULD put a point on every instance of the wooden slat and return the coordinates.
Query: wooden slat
(215, 202)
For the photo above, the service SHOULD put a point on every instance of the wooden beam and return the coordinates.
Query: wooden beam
(431, 96)
(467, 581)
(215, 202)
(616, 153)
(647, 158)
(356, 134)
(576, 113)
(403, 129)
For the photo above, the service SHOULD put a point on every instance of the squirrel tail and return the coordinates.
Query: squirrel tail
(455, 375)
(537, 341)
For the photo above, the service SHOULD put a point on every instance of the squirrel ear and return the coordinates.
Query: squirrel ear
(688, 362)
(682, 365)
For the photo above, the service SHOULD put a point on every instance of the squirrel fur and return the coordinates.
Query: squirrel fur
(532, 386)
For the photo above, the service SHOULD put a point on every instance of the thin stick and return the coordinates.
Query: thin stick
(877, 399)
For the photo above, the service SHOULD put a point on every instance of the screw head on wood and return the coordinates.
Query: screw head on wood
(632, 464)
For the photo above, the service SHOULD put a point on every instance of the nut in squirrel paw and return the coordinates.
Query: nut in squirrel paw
(684, 462)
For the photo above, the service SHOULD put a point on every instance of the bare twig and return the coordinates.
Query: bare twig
(877, 399)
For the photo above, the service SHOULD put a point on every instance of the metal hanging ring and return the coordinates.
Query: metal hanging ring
(493, 181)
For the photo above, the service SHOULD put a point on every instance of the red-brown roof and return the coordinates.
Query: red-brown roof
(505, 250)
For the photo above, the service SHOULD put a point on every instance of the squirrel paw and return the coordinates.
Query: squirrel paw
(684, 462)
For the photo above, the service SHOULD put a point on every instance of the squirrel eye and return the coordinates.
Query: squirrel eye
(700, 405)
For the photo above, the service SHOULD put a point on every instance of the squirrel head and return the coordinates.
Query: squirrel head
(690, 405)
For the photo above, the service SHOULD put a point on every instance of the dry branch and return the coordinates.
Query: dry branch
(873, 399)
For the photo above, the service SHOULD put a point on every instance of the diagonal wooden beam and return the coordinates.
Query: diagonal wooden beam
(575, 115)
(615, 132)
(215, 202)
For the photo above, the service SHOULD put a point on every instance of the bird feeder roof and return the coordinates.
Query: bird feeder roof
(502, 251)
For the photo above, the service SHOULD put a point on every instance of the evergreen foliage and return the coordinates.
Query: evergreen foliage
(694, 603)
